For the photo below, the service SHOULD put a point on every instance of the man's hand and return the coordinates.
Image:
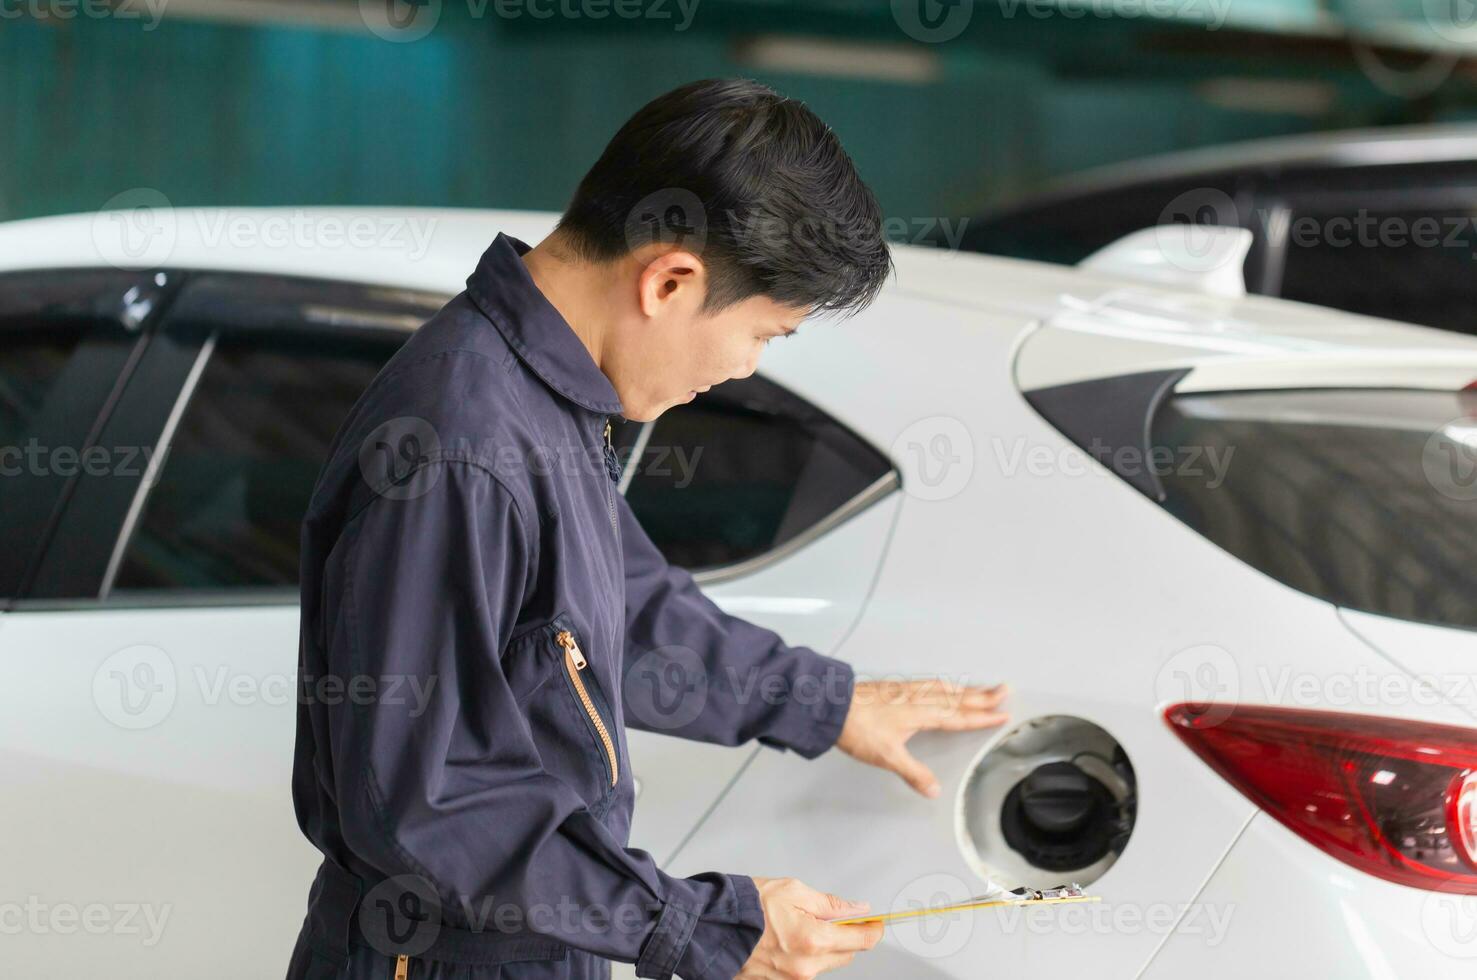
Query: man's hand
(885, 714)
(798, 943)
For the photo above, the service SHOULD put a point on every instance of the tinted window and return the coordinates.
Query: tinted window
(64, 347)
(240, 469)
(743, 469)
(1365, 498)
(1412, 265)
(31, 360)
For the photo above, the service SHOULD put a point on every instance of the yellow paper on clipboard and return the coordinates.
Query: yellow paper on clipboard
(1066, 895)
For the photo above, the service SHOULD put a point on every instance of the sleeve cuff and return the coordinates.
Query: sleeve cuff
(820, 700)
(711, 945)
(672, 935)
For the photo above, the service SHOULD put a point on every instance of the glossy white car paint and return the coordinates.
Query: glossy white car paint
(1008, 555)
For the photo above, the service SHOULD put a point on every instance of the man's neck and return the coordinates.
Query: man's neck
(576, 289)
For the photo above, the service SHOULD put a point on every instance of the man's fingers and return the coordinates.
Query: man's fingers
(937, 692)
(984, 697)
(824, 905)
(853, 939)
(969, 721)
(831, 961)
(914, 773)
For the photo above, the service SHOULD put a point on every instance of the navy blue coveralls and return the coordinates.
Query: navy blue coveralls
(473, 586)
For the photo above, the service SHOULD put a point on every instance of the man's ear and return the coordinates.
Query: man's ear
(672, 277)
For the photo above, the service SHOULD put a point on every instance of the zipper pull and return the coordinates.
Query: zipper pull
(612, 463)
(566, 640)
(402, 967)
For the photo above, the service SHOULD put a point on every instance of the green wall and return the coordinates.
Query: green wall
(509, 113)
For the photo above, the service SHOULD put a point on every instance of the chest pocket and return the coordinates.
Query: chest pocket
(568, 713)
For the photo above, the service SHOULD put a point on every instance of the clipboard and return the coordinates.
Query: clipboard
(1063, 895)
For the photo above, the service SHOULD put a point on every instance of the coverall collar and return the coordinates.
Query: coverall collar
(503, 289)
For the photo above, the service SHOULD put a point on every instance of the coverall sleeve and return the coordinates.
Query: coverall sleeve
(445, 781)
(730, 680)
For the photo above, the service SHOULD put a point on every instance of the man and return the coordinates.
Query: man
(476, 824)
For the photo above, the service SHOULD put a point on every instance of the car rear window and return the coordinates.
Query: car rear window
(1366, 498)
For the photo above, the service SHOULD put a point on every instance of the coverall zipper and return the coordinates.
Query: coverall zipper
(574, 662)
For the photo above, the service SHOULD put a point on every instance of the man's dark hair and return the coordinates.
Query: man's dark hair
(753, 182)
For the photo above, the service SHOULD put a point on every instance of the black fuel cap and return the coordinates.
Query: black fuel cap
(1058, 798)
(1059, 817)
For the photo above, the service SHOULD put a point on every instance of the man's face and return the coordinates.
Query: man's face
(675, 351)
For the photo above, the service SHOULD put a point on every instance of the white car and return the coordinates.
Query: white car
(1222, 548)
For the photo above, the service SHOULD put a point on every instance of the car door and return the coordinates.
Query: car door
(157, 638)
(149, 713)
(782, 513)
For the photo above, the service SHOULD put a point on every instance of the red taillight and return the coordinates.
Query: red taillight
(1464, 818)
(1394, 798)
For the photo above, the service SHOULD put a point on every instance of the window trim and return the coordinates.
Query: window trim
(150, 478)
(882, 487)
